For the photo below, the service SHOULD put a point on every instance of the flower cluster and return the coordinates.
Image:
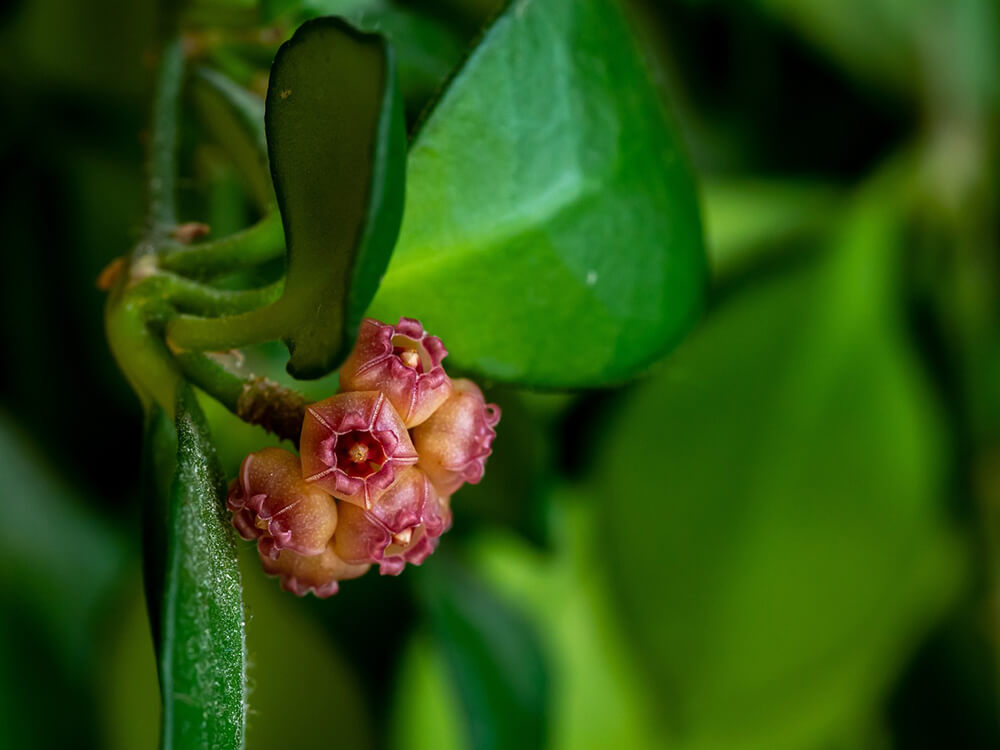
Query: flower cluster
(378, 464)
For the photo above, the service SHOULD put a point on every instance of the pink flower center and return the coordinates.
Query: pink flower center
(359, 454)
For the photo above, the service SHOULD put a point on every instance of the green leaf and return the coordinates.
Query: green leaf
(551, 234)
(202, 650)
(774, 503)
(598, 699)
(748, 220)
(337, 146)
(494, 657)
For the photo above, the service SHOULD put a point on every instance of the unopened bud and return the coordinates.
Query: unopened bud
(454, 443)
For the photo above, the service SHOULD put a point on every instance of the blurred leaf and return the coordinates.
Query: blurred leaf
(519, 468)
(425, 711)
(130, 696)
(57, 559)
(773, 504)
(427, 50)
(302, 693)
(60, 563)
(916, 47)
(747, 217)
(551, 233)
(236, 118)
(202, 641)
(337, 145)
(876, 39)
(598, 697)
(493, 656)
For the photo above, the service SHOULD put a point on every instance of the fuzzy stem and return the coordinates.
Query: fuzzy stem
(252, 398)
(162, 165)
(262, 242)
(190, 296)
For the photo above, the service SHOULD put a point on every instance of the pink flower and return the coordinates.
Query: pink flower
(401, 361)
(454, 443)
(320, 573)
(270, 502)
(352, 445)
(403, 525)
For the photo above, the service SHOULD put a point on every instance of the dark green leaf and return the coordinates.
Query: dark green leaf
(494, 658)
(202, 641)
(773, 504)
(551, 234)
(337, 147)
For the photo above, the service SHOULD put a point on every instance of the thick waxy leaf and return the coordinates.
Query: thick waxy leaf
(337, 147)
(774, 598)
(201, 639)
(494, 659)
(551, 233)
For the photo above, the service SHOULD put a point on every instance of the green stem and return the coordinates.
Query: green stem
(162, 165)
(218, 382)
(228, 332)
(262, 242)
(192, 297)
(140, 353)
(252, 398)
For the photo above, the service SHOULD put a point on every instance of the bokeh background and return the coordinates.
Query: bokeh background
(786, 535)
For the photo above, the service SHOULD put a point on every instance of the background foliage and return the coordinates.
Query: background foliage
(784, 535)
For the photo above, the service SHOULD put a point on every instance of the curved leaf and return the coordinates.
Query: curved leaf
(551, 233)
(201, 638)
(337, 146)
(774, 597)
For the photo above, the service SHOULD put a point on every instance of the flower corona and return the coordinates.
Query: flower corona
(378, 464)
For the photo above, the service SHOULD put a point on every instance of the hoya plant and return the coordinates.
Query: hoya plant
(500, 375)
(540, 219)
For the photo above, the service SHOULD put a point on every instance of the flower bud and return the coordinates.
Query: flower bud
(272, 503)
(352, 445)
(455, 441)
(320, 573)
(401, 361)
(402, 526)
